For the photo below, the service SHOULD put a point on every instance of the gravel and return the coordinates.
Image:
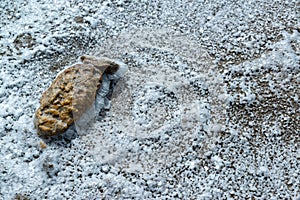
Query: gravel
(209, 108)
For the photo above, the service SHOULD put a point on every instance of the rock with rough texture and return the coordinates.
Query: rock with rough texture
(71, 94)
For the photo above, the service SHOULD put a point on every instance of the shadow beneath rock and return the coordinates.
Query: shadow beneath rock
(64, 139)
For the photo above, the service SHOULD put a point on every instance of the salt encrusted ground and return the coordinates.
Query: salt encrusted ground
(209, 108)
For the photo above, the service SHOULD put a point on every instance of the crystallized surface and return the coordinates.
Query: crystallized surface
(209, 108)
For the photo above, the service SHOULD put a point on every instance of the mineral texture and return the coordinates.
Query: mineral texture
(71, 94)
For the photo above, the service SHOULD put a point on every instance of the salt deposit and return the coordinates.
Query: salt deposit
(208, 109)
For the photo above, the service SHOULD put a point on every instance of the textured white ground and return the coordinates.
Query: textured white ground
(209, 108)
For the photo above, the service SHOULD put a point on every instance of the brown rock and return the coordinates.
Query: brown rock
(110, 67)
(70, 95)
(43, 145)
